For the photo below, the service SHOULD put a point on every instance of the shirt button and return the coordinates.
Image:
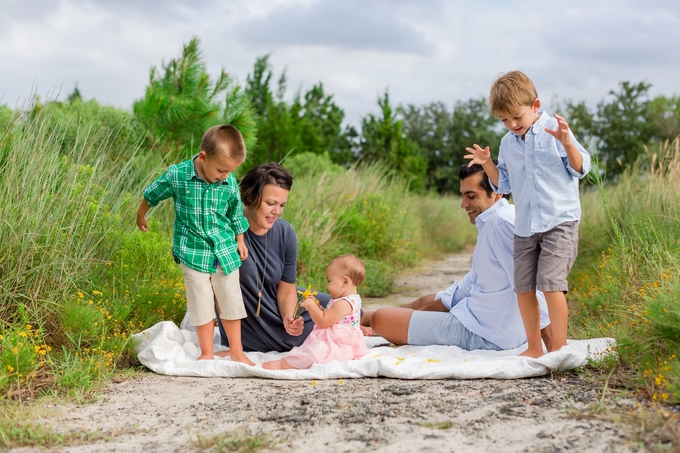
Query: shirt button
(188, 191)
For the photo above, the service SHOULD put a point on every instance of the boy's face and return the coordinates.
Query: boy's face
(215, 168)
(520, 119)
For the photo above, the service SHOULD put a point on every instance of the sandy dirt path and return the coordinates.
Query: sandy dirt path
(155, 413)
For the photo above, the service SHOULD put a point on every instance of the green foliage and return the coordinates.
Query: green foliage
(310, 124)
(621, 128)
(442, 137)
(383, 140)
(184, 101)
(308, 163)
(631, 293)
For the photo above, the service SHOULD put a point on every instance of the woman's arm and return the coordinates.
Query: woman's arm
(286, 299)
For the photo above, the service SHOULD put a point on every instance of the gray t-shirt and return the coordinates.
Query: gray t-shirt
(278, 247)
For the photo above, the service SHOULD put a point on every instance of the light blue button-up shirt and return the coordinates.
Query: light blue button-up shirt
(544, 185)
(484, 300)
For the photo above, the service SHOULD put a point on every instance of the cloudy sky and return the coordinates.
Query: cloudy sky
(422, 50)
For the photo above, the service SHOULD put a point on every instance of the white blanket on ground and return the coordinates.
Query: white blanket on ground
(166, 349)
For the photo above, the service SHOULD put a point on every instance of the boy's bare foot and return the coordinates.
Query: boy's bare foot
(205, 357)
(556, 347)
(223, 353)
(241, 357)
(277, 365)
(534, 353)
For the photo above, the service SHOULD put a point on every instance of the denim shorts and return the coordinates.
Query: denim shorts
(439, 328)
(543, 260)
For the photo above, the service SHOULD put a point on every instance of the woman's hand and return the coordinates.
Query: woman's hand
(294, 327)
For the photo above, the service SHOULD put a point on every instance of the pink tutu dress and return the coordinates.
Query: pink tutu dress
(341, 341)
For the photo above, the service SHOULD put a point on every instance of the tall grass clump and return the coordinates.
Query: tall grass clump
(73, 272)
(369, 212)
(627, 277)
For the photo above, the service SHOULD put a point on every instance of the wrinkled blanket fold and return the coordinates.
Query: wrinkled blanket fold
(166, 349)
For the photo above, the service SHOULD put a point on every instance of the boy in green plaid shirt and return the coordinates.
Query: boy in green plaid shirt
(208, 238)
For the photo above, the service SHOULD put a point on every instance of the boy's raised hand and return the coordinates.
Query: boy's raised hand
(561, 134)
(478, 155)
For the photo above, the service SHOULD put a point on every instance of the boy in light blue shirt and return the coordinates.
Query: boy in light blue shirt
(540, 162)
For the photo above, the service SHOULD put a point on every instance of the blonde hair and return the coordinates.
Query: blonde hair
(224, 138)
(511, 90)
(351, 266)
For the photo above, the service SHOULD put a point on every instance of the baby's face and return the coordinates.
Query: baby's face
(335, 281)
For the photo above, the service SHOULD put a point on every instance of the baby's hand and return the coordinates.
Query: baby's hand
(478, 155)
(309, 302)
(562, 132)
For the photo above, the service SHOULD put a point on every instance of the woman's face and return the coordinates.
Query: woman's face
(261, 219)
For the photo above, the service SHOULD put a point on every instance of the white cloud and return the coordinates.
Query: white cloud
(423, 51)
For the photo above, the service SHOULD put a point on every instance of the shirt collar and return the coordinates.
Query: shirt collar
(484, 216)
(193, 173)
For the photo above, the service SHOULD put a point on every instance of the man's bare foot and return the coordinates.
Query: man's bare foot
(205, 357)
(277, 365)
(534, 353)
(241, 357)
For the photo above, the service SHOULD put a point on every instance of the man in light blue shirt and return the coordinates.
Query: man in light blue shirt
(480, 311)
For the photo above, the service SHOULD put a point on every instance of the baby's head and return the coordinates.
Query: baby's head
(345, 272)
(514, 100)
(222, 151)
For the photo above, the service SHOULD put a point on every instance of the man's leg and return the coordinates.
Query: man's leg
(391, 323)
(418, 304)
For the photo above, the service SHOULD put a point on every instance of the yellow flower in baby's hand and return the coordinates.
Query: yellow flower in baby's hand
(308, 292)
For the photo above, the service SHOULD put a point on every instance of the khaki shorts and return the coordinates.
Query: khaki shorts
(543, 260)
(203, 288)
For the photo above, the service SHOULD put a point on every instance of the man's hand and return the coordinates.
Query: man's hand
(478, 155)
(294, 328)
(561, 134)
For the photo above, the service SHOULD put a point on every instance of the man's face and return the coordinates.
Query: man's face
(475, 199)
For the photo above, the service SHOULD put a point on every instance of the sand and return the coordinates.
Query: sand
(155, 413)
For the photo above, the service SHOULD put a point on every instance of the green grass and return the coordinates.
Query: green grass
(237, 441)
(627, 278)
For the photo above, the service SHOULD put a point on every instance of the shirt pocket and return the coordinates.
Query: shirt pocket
(546, 154)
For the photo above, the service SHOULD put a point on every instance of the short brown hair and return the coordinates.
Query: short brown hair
(511, 90)
(254, 181)
(224, 138)
(351, 266)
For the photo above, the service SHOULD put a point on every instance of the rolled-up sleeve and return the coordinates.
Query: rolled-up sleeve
(160, 189)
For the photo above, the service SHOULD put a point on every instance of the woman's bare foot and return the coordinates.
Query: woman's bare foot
(277, 365)
(241, 357)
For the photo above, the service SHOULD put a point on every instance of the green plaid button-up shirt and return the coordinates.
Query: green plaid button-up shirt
(207, 217)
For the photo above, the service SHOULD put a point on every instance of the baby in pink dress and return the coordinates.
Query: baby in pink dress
(337, 334)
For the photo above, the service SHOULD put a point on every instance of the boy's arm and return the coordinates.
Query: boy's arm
(241, 246)
(141, 215)
(483, 157)
(563, 136)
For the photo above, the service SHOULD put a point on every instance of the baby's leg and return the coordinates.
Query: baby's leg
(278, 365)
